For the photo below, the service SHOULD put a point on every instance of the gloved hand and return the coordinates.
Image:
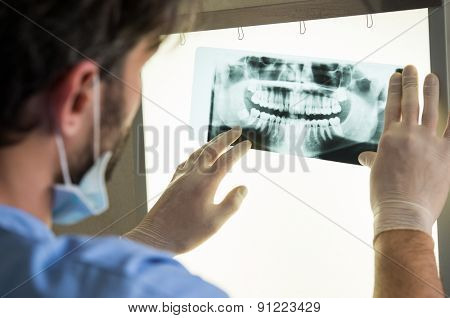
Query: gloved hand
(410, 176)
(185, 215)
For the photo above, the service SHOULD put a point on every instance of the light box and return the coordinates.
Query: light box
(305, 229)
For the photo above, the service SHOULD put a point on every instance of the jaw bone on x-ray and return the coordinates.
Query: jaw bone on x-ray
(310, 107)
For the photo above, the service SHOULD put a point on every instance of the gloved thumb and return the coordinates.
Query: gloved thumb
(232, 202)
(367, 159)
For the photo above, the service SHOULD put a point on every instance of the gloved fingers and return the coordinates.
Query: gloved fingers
(230, 204)
(192, 160)
(224, 164)
(367, 159)
(430, 117)
(194, 156)
(180, 170)
(215, 148)
(393, 106)
(410, 96)
(190, 163)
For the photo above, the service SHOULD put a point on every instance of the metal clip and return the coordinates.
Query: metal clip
(241, 34)
(370, 22)
(302, 27)
(182, 39)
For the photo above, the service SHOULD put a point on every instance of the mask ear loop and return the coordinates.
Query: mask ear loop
(62, 157)
(96, 117)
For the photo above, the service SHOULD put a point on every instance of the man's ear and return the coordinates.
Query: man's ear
(72, 97)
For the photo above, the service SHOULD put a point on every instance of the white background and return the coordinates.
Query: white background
(276, 246)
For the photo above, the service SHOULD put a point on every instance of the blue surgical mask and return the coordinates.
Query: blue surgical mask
(73, 203)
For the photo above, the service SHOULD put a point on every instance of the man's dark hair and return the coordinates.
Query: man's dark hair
(43, 39)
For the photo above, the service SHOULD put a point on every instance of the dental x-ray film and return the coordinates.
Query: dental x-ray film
(310, 107)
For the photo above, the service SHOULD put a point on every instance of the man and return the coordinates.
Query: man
(67, 67)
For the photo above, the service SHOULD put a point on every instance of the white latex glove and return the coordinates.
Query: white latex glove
(411, 171)
(185, 215)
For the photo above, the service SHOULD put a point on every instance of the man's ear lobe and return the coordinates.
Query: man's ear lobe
(71, 98)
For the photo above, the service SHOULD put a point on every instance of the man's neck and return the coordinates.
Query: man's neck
(26, 177)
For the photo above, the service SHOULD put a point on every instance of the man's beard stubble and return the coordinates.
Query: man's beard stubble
(117, 154)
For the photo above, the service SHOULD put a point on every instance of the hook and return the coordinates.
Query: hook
(241, 34)
(182, 39)
(302, 27)
(370, 22)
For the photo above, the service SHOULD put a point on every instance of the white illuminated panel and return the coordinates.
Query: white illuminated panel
(277, 245)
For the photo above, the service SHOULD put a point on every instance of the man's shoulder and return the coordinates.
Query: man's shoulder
(78, 266)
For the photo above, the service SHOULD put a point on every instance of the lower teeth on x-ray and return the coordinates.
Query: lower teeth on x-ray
(309, 107)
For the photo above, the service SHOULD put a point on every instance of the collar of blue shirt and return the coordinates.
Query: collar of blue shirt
(24, 224)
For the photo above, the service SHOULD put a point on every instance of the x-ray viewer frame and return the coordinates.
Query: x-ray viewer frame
(439, 19)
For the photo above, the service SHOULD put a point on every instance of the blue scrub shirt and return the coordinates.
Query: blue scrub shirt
(36, 263)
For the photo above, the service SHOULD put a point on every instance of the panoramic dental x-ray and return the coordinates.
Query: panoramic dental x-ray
(308, 107)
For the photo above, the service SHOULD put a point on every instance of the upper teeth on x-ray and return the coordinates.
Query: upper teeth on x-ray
(310, 107)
